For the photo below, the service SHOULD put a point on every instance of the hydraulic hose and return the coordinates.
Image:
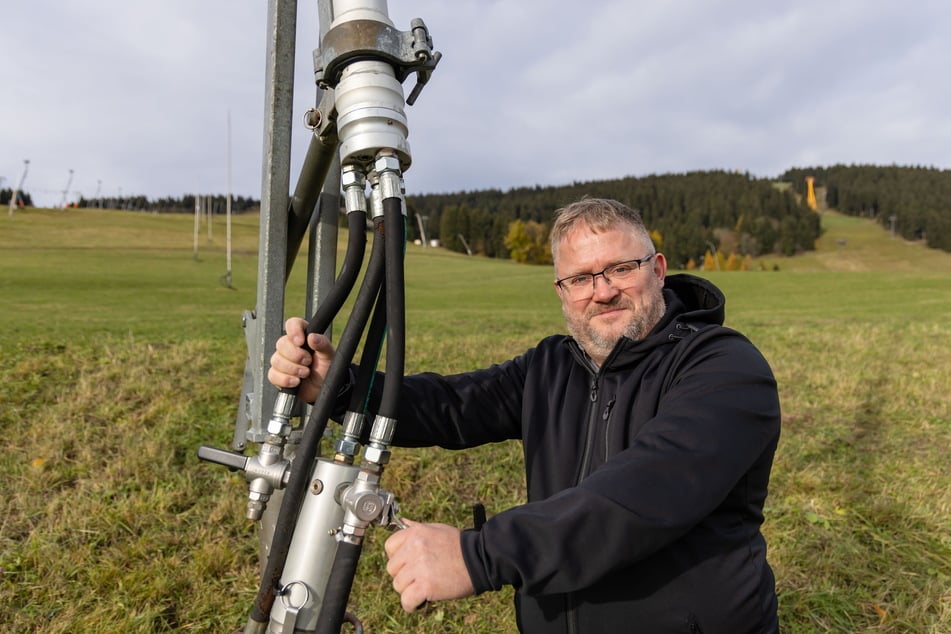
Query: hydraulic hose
(372, 348)
(314, 430)
(356, 249)
(344, 569)
(344, 566)
(395, 230)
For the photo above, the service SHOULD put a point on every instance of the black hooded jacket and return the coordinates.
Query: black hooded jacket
(646, 477)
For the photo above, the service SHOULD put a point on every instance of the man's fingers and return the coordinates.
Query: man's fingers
(279, 379)
(295, 327)
(286, 371)
(291, 351)
(411, 598)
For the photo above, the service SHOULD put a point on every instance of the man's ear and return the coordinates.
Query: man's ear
(660, 266)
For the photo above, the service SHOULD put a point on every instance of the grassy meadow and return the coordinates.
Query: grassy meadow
(120, 353)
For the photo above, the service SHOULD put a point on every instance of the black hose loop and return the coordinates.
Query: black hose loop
(343, 285)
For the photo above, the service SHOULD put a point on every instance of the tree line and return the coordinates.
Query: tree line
(183, 205)
(23, 198)
(690, 215)
(914, 202)
(686, 214)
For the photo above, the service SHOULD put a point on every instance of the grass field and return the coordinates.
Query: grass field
(120, 353)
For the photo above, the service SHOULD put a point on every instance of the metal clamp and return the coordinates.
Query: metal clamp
(407, 51)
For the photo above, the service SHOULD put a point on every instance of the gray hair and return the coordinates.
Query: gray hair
(599, 215)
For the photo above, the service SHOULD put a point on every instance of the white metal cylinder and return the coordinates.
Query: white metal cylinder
(371, 113)
(313, 547)
(347, 10)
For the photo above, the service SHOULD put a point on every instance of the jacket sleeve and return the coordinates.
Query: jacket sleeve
(461, 410)
(707, 450)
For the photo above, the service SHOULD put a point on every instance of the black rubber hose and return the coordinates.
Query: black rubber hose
(343, 285)
(302, 466)
(370, 358)
(344, 566)
(395, 230)
(334, 607)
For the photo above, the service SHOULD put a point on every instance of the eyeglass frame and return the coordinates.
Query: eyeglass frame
(603, 273)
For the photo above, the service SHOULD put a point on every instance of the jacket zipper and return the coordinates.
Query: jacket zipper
(589, 432)
(570, 616)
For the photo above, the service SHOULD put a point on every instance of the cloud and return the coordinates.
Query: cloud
(137, 95)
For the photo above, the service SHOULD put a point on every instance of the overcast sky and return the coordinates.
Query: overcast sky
(136, 95)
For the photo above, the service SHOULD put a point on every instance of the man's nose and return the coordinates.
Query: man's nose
(604, 289)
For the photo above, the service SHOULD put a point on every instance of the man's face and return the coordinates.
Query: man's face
(599, 321)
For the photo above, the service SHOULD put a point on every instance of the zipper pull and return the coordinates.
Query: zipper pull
(607, 410)
(594, 390)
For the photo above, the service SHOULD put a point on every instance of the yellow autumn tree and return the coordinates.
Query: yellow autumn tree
(527, 242)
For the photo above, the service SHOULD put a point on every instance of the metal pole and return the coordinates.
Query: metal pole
(464, 243)
(263, 325)
(197, 224)
(422, 229)
(716, 257)
(228, 211)
(19, 188)
(62, 202)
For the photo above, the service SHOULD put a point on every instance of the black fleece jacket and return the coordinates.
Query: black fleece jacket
(646, 477)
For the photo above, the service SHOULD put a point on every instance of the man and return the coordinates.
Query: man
(648, 437)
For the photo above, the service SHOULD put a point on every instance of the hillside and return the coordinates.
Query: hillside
(850, 243)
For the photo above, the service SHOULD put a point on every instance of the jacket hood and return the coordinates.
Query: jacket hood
(700, 301)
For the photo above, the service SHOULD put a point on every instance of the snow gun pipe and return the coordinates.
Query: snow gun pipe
(313, 431)
(320, 156)
(344, 568)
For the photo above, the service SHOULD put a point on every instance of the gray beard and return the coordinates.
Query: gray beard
(599, 346)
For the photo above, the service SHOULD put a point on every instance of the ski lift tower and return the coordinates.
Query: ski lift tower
(69, 181)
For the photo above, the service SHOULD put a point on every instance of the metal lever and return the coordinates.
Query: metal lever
(389, 518)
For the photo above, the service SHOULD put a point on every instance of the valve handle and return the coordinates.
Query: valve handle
(234, 461)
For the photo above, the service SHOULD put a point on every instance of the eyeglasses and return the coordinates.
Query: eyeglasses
(618, 275)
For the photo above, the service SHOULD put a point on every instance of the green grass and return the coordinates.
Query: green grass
(120, 353)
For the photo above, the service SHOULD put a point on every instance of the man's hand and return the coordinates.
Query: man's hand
(292, 365)
(425, 561)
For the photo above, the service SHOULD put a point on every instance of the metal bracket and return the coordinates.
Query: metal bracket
(407, 51)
